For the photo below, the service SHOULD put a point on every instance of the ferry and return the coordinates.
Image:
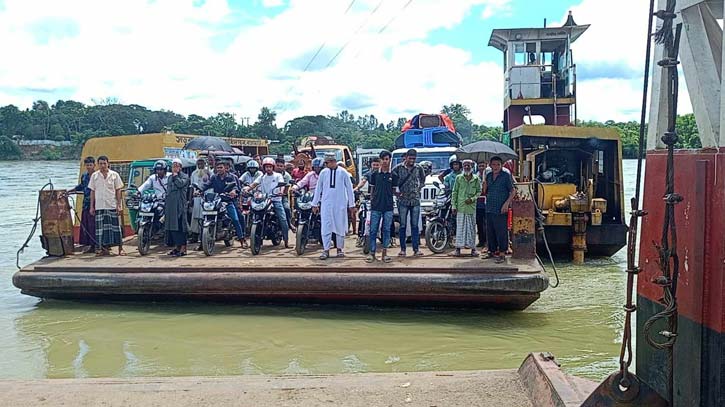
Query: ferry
(572, 173)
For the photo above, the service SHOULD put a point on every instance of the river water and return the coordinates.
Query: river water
(580, 322)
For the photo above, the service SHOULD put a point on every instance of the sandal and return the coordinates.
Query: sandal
(500, 259)
(418, 254)
(457, 253)
(474, 253)
(325, 255)
(387, 259)
(370, 259)
(486, 255)
(340, 253)
(180, 254)
(401, 254)
(173, 252)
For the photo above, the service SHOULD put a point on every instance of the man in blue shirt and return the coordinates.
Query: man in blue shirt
(88, 222)
(499, 190)
(218, 182)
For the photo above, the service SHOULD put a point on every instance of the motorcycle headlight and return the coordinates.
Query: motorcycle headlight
(146, 207)
(208, 206)
(305, 206)
(257, 206)
(259, 197)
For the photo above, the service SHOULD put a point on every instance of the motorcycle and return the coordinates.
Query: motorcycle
(363, 228)
(216, 223)
(441, 224)
(308, 223)
(264, 221)
(150, 220)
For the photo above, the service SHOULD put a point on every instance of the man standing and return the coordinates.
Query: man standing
(381, 205)
(88, 222)
(450, 180)
(199, 177)
(175, 210)
(412, 180)
(106, 206)
(335, 186)
(364, 184)
(466, 190)
(218, 182)
(499, 191)
(481, 207)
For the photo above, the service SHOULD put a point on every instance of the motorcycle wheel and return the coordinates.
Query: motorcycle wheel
(208, 239)
(255, 237)
(436, 236)
(144, 239)
(301, 240)
(276, 238)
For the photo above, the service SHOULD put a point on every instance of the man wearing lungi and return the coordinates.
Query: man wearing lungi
(88, 221)
(106, 206)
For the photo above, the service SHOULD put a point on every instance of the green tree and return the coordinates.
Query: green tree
(9, 150)
(459, 115)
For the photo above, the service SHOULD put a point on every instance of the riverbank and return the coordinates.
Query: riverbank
(477, 388)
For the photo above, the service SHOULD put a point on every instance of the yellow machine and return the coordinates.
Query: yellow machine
(575, 176)
(318, 146)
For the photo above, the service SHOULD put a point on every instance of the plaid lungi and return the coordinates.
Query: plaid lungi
(465, 230)
(108, 228)
(88, 228)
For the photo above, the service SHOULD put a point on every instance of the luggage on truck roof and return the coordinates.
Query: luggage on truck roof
(428, 130)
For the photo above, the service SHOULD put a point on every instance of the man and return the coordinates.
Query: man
(88, 222)
(481, 207)
(218, 182)
(450, 179)
(252, 175)
(381, 205)
(199, 177)
(288, 168)
(364, 180)
(106, 206)
(411, 180)
(281, 169)
(499, 191)
(176, 206)
(269, 184)
(335, 187)
(309, 181)
(466, 190)
(157, 181)
(299, 172)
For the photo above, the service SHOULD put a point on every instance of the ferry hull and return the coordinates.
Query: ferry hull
(699, 355)
(499, 290)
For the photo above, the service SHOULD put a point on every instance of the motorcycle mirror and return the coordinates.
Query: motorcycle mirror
(436, 184)
(230, 186)
(281, 184)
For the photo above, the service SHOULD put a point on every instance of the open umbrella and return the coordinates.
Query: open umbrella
(208, 143)
(484, 150)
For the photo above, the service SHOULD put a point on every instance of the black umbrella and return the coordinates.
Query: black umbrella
(484, 150)
(208, 143)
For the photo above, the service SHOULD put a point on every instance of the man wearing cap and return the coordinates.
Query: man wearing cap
(334, 199)
(412, 180)
(463, 202)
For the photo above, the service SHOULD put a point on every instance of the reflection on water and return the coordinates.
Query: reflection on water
(580, 323)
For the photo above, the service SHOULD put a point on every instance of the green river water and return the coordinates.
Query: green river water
(580, 322)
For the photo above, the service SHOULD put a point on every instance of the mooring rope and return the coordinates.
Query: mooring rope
(33, 228)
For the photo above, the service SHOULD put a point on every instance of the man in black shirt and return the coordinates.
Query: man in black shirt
(381, 205)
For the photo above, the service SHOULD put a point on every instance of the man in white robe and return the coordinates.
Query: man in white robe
(333, 199)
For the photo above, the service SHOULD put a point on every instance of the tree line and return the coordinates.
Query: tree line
(68, 120)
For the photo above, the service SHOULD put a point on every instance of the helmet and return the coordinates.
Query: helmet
(160, 165)
(317, 162)
(454, 160)
(427, 167)
(269, 161)
(252, 164)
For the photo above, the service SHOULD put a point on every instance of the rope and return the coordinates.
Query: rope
(540, 228)
(33, 228)
(667, 248)
(626, 354)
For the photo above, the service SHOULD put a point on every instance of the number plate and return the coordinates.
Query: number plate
(145, 214)
(209, 213)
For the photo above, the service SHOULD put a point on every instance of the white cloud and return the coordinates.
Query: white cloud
(159, 54)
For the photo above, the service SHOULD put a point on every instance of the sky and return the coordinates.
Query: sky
(391, 58)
